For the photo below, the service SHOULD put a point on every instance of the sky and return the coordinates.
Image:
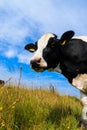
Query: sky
(25, 21)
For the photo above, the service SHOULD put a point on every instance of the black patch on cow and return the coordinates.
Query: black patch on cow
(51, 53)
(73, 59)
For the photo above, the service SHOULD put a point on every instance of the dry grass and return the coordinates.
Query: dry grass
(37, 109)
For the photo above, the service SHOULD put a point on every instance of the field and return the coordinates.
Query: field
(37, 109)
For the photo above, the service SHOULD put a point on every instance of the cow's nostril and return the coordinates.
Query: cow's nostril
(35, 64)
(38, 61)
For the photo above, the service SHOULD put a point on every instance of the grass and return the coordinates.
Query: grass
(37, 109)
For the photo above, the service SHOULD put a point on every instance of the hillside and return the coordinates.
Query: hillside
(37, 109)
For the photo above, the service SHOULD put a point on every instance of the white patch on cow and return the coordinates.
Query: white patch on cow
(80, 82)
(42, 43)
(84, 101)
(84, 38)
(83, 98)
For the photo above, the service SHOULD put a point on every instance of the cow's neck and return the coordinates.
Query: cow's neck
(56, 69)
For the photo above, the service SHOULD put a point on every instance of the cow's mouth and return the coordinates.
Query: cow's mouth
(38, 69)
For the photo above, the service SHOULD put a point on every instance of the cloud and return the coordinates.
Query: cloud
(24, 57)
(53, 15)
(15, 24)
(11, 53)
(15, 27)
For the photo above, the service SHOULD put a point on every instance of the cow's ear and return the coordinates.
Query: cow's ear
(31, 47)
(66, 37)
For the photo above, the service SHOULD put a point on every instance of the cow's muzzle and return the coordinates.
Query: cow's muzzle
(35, 64)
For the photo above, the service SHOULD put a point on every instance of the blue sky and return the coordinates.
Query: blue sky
(24, 21)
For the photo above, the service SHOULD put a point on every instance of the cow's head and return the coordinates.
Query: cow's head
(47, 51)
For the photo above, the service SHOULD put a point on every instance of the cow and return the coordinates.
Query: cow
(66, 55)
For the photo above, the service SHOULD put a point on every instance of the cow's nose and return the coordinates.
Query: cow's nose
(35, 63)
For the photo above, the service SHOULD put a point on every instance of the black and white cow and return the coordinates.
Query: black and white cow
(66, 55)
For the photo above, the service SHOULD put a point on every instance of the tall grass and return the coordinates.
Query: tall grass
(37, 109)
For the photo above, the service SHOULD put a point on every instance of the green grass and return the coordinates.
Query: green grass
(37, 109)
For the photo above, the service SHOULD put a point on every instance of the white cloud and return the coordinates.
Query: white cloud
(24, 57)
(11, 53)
(11, 28)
